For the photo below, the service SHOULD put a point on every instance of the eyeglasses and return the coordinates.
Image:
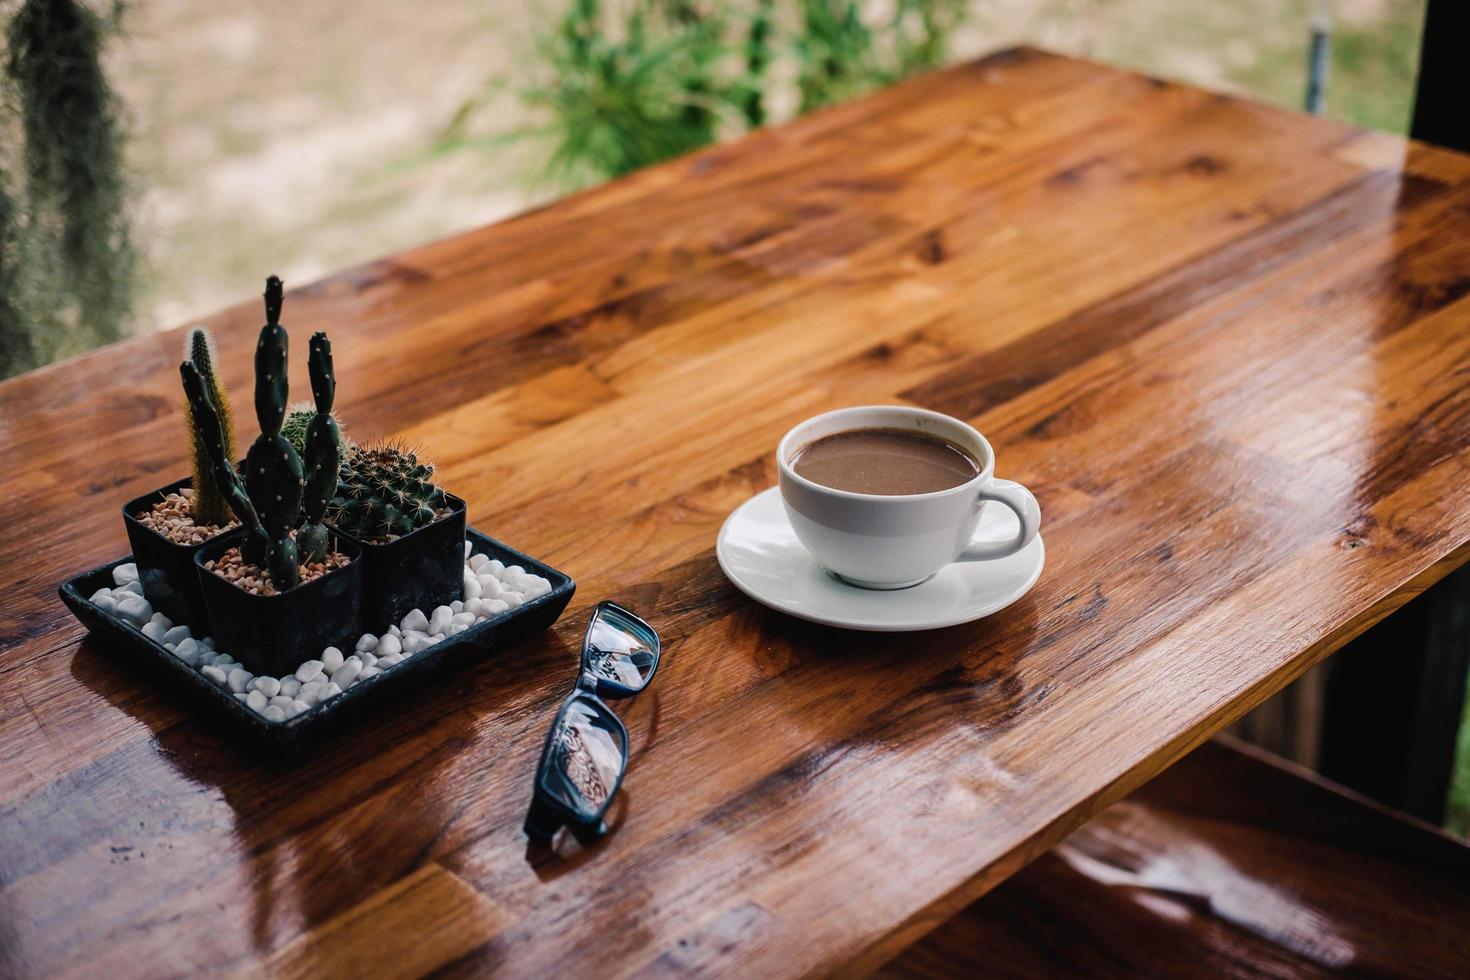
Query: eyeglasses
(586, 751)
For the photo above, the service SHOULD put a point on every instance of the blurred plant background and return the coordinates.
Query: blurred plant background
(303, 138)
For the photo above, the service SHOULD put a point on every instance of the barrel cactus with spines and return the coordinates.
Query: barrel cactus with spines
(210, 427)
(298, 419)
(273, 471)
(323, 455)
(384, 492)
(209, 505)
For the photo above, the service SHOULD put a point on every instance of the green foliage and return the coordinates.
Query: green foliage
(383, 492)
(209, 506)
(618, 90)
(273, 471)
(323, 455)
(70, 281)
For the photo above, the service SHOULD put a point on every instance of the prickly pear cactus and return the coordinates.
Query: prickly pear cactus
(323, 454)
(222, 471)
(209, 503)
(384, 492)
(273, 471)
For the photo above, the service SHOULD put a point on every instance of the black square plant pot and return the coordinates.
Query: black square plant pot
(421, 570)
(273, 634)
(166, 569)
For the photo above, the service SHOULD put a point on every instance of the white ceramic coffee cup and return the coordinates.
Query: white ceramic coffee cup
(882, 541)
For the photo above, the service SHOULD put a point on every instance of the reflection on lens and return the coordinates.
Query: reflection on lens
(621, 648)
(587, 756)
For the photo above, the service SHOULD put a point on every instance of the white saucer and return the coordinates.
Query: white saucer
(759, 553)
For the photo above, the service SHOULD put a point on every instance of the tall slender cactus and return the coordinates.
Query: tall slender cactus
(273, 472)
(209, 505)
(323, 455)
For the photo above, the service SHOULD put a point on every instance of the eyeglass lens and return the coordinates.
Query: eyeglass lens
(587, 755)
(621, 648)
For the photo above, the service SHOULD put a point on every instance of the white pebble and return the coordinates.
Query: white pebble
(472, 588)
(223, 659)
(281, 701)
(367, 642)
(189, 652)
(331, 659)
(240, 696)
(297, 707)
(106, 603)
(478, 562)
(386, 662)
(155, 631)
(494, 607)
(395, 631)
(269, 686)
(415, 620)
(457, 606)
(309, 671)
(413, 643)
(368, 659)
(239, 677)
(368, 672)
(177, 635)
(311, 693)
(256, 701)
(389, 645)
(102, 593)
(512, 599)
(440, 619)
(331, 692)
(490, 587)
(495, 566)
(125, 573)
(216, 674)
(290, 686)
(134, 609)
(537, 586)
(207, 643)
(454, 629)
(436, 638)
(463, 619)
(467, 546)
(132, 588)
(161, 619)
(515, 571)
(473, 607)
(347, 673)
(274, 713)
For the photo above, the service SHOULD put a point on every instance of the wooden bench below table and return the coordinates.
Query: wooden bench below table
(1231, 863)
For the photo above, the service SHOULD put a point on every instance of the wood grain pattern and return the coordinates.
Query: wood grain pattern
(1226, 865)
(1224, 344)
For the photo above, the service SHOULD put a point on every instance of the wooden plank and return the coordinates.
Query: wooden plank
(1229, 864)
(1223, 344)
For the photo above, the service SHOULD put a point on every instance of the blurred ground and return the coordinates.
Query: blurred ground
(293, 137)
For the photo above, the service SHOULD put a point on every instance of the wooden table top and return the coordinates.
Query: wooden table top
(1225, 344)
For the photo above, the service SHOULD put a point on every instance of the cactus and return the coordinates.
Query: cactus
(298, 418)
(210, 428)
(323, 456)
(209, 503)
(273, 471)
(384, 492)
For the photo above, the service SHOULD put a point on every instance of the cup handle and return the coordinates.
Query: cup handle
(1018, 499)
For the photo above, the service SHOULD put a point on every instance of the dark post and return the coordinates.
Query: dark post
(1394, 701)
(1444, 76)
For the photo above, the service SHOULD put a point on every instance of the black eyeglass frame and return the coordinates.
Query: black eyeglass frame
(548, 813)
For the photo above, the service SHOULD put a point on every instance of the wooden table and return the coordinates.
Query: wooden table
(1226, 345)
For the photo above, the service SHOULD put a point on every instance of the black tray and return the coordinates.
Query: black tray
(219, 702)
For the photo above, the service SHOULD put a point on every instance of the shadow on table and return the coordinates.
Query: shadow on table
(317, 832)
